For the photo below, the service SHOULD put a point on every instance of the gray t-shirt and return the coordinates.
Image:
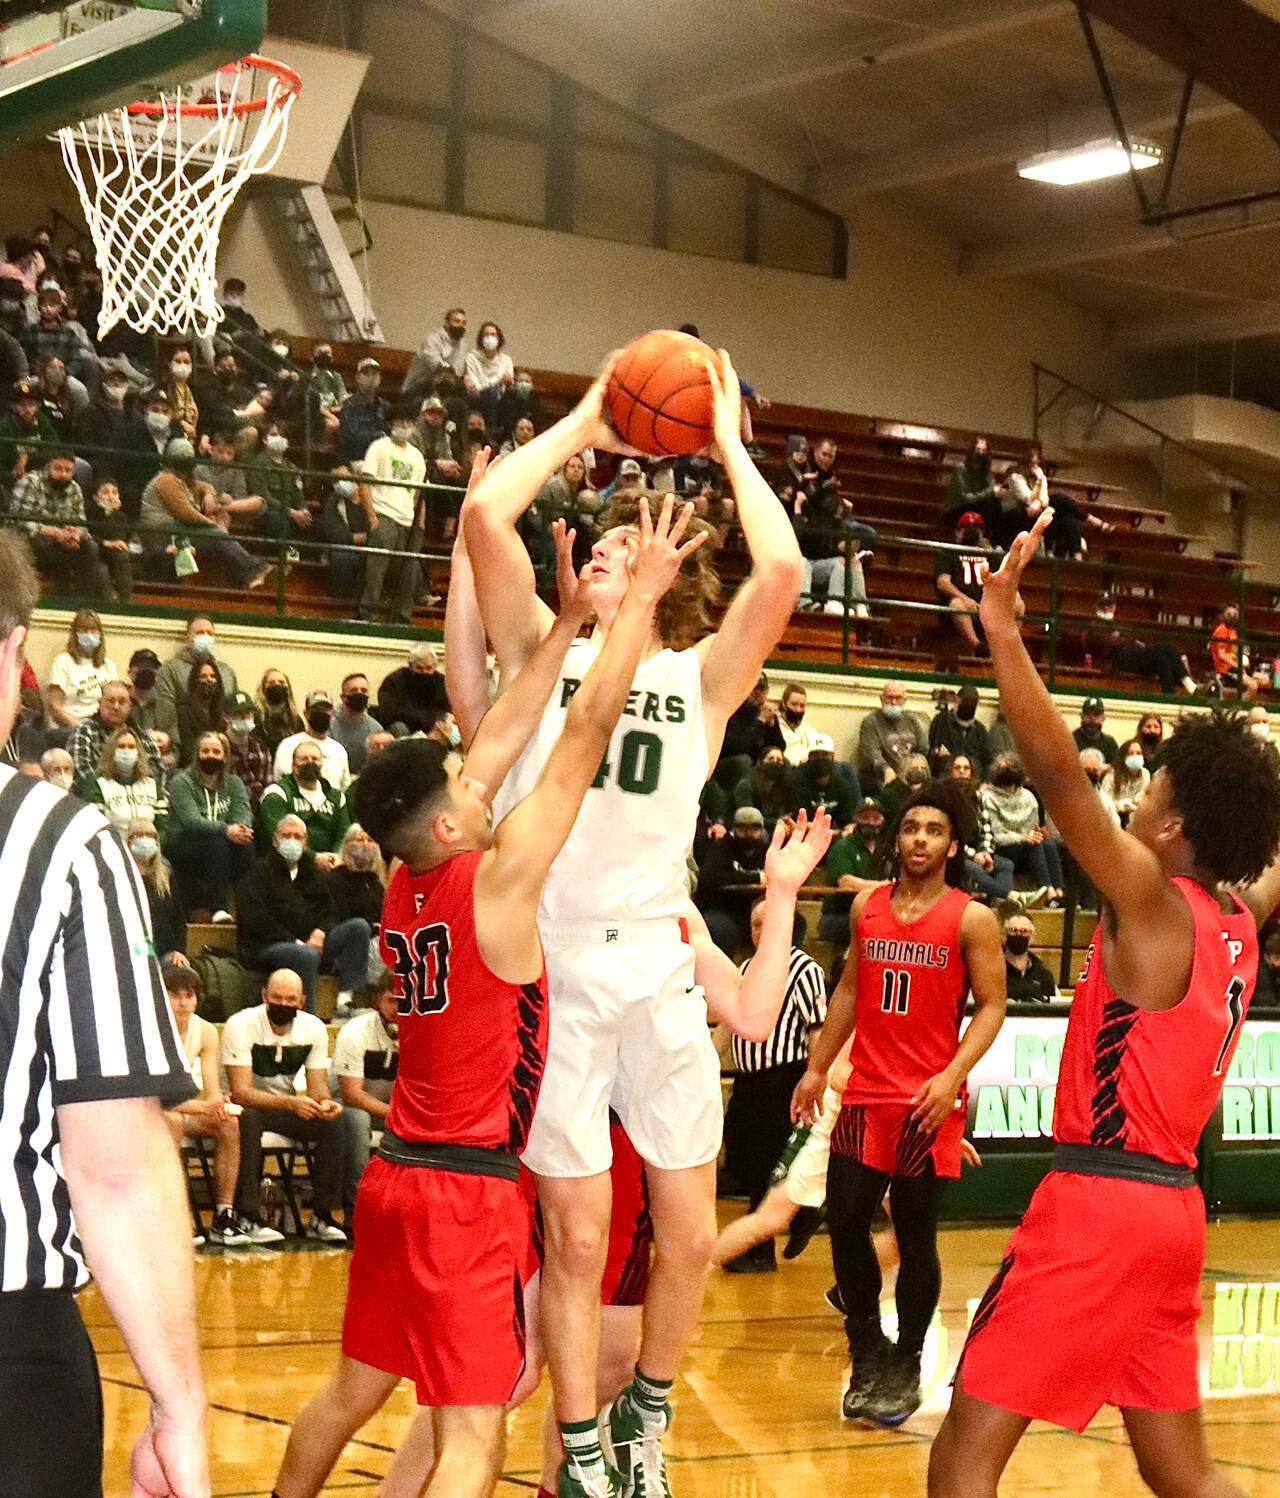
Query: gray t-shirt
(353, 736)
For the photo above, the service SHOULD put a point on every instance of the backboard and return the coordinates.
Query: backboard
(60, 63)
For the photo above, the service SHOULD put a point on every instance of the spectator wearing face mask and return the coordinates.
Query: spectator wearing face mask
(990, 874)
(1027, 979)
(326, 381)
(393, 468)
(1126, 779)
(822, 783)
(358, 881)
(57, 769)
(236, 317)
(109, 526)
(168, 929)
(63, 397)
(79, 673)
(1234, 679)
(182, 401)
(894, 796)
(1090, 734)
(305, 793)
(250, 755)
(958, 731)
(209, 840)
(364, 415)
(887, 736)
(353, 723)
(1017, 830)
(278, 715)
(228, 481)
(1095, 770)
(958, 577)
(286, 918)
(971, 487)
(850, 865)
(798, 737)
(280, 483)
(172, 682)
(767, 788)
(335, 767)
(751, 729)
(517, 400)
(522, 433)
(1267, 992)
(488, 371)
(111, 421)
(127, 783)
(201, 710)
(26, 433)
(736, 860)
(443, 349)
(366, 1057)
(48, 507)
(345, 523)
(176, 500)
(411, 696)
(52, 335)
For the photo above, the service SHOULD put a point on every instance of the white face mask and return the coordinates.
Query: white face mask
(181, 371)
(489, 343)
(60, 778)
(277, 443)
(282, 349)
(1260, 730)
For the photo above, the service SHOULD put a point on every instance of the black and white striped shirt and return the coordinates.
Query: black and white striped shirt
(803, 1007)
(83, 1015)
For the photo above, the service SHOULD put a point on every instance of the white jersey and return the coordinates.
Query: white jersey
(624, 860)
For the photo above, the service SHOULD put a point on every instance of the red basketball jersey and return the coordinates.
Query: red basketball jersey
(1148, 1080)
(472, 1046)
(912, 987)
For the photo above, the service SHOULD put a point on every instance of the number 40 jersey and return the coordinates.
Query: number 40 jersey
(625, 858)
(472, 1046)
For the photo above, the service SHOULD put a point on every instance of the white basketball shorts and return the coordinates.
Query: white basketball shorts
(628, 1031)
(805, 1178)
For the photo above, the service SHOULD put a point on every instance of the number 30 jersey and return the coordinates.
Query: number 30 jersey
(912, 987)
(624, 860)
(472, 1046)
(1148, 1080)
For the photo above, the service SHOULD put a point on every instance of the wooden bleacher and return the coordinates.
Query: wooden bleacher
(895, 474)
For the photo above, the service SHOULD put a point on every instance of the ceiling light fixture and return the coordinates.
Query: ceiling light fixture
(1091, 163)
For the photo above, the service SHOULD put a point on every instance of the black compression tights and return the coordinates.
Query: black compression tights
(854, 1191)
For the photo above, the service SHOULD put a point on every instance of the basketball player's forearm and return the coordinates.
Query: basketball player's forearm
(129, 1203)
(464, 646)
(1040, 733)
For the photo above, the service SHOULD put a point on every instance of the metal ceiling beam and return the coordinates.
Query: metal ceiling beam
(941, 160)
(1260, 320)
(1057, 252)
(715, 88)
(1231, 47)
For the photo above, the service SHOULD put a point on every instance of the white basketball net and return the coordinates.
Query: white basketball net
(156, 181)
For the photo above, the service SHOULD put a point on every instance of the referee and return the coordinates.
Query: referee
(88, 1172)
(757, 1122)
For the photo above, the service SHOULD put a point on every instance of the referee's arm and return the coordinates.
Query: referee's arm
(116, 1062)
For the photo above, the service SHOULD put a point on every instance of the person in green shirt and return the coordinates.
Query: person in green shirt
(305, 793)
(852, 864)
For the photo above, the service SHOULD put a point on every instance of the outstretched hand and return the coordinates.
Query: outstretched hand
(590, 411)
(796, 850)
(1000, 589)
(660, 554)
(571, 584)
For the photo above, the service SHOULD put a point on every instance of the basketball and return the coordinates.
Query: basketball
(659, 394)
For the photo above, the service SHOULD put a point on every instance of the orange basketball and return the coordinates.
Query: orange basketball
(659, 394)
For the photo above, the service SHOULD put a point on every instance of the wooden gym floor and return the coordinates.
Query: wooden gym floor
(756, 1410)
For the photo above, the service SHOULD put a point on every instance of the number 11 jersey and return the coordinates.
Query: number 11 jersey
(912, 987)
(624, 860)
(472, 1046)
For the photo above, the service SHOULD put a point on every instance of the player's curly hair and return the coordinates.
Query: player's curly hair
(684, 612)
(1225, 784)
(948, 798)
(394, 786)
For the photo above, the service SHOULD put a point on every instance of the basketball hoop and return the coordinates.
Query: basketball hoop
(156, 178)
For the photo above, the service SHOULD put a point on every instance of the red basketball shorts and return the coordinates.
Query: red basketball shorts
(435, 1289)
(1096, 1303)
(885, 1137)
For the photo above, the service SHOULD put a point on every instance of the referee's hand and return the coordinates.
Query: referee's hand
(171, 1458)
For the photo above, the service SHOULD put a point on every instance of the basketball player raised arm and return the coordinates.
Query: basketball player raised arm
(749, 1003)
(510, 875)
(1147, 925)
(516, 619)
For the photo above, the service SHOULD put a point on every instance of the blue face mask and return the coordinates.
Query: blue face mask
(344, 489)
(1133, 763)
(453, 738)
(202, 644)
(88, 640)
(290, 849)
(126, 761)
(893, 709)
